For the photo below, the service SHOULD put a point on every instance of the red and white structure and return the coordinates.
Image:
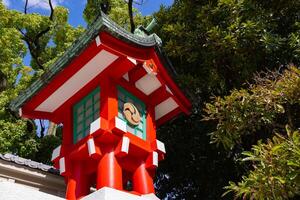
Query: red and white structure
(110, 90)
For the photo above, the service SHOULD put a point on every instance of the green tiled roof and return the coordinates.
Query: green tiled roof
(102, 23)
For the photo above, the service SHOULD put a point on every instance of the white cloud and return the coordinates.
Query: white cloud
(42, 4)
(6, 3)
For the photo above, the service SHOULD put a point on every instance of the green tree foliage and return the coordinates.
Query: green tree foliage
(217, 46)
(270, 102)
(15, 138)
(14, 135)
(264, 108)
(117, 11)
(276, 169)
(226, 41)
(45, 38)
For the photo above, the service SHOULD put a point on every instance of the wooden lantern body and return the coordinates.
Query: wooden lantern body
(107, 144)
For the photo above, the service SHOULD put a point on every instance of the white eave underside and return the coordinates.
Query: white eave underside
(165, 107)
(88, 72)
(147, 84)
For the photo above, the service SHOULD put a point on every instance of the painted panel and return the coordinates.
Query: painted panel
(123, 97)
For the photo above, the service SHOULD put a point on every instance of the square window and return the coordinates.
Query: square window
(88, 121)
(80, 118)
(79, 137)
(87, 131)
(96, 97)
(79, 127)
(88, 103)
(80, 109)
(89, 112)
(96, 115)
(84, 113)
(96, 105)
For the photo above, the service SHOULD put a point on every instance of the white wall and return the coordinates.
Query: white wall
(15, 191)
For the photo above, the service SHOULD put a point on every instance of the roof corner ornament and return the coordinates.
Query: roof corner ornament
(144, 32)
(150, 67)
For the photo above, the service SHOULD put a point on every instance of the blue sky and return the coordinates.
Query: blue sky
(76, 8)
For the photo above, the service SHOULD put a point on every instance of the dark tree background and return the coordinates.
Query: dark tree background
(216, 46)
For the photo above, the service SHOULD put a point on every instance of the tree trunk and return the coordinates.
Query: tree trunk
(52, 128)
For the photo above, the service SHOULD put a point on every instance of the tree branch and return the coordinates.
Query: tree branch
(32, 48)
(51, 10)
(34, 43)
(42, 128)
(3, 81)
(289, 116)
(132, 26)
(25, 7)
(52, 128)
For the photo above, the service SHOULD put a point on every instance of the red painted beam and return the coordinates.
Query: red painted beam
(30, 114)
(159, 95)
(136, 73)
(120, 68)
(140, 53)
(133, 90)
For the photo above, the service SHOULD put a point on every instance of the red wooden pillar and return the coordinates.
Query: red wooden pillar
(109, 99)
(71, 187)
(67, 137)
(151, 129)
(142, 180)
(109, 172)
(78, 183)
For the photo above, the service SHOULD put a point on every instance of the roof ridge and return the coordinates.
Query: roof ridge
(29, 163)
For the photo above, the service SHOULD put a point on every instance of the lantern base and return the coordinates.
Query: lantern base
(107, 193)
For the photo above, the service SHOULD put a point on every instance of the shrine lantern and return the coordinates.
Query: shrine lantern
(111, 90)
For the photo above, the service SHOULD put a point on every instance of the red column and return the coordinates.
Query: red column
(78, 184)
(109, 99)
(71, 187)
(109, 172)
(142, 181)
(67, 137)
(151, 129)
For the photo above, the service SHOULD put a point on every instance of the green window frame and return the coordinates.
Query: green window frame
(84, 113)
(123, 97)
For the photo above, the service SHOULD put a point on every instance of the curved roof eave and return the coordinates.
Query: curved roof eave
(101, 23)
